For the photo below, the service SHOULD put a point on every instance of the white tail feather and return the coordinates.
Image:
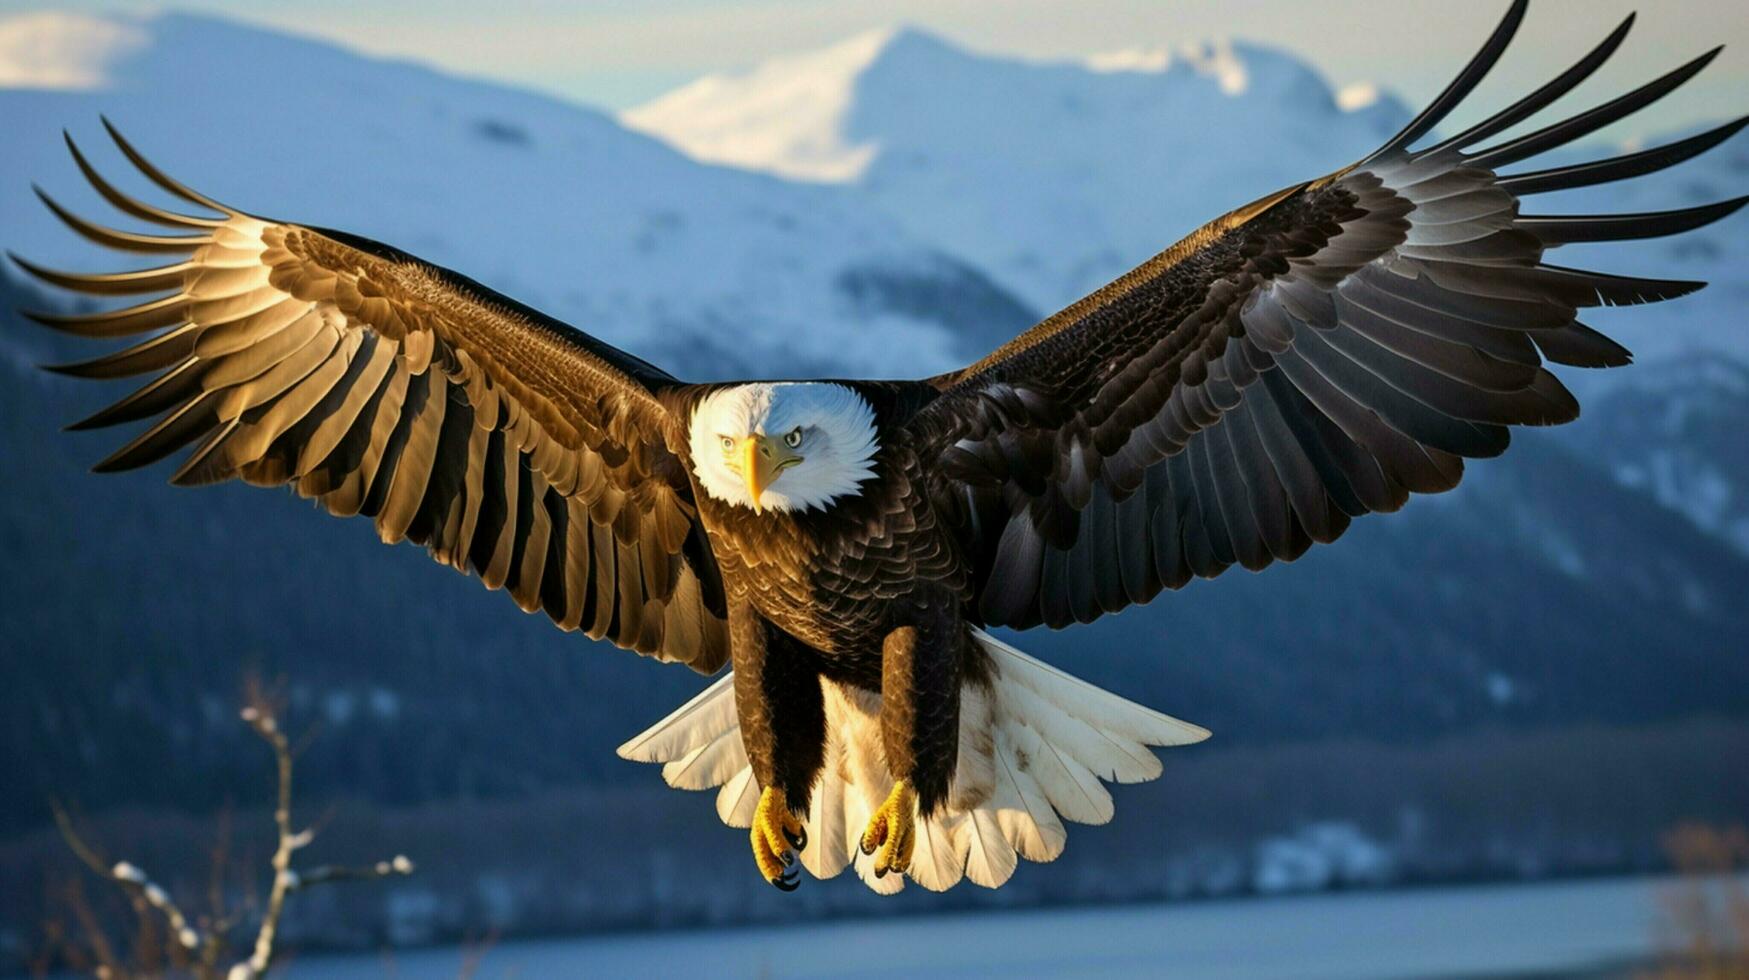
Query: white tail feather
(738, 798)
(710, 765)
(1023, 813)
(989, 856)
(828, 823)
(707, 715)
(1034, 746)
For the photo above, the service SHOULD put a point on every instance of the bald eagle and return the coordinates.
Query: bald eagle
(1321, 353)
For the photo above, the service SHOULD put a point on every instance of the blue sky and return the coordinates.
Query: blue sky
(616, 54)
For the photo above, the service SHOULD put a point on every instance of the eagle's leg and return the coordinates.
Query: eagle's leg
(783, 727)
(920, 720)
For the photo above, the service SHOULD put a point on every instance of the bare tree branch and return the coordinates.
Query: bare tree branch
(397, 865)
(199, 948)
(261, 716)
(132, 878)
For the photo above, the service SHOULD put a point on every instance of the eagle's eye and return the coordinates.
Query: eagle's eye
(728, 444)
(793, 438)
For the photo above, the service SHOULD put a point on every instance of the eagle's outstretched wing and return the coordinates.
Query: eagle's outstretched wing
(502, 440)
(1314, 356)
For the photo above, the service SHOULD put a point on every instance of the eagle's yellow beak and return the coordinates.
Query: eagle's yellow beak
(762, 460)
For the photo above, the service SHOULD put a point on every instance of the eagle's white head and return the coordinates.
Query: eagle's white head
(783, 446)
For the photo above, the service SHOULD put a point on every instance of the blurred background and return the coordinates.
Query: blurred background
(1454, 744)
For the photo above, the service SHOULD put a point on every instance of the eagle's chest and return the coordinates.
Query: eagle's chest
(824, 578)
(799, 581)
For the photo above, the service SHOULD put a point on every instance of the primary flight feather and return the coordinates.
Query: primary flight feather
(1319, 354)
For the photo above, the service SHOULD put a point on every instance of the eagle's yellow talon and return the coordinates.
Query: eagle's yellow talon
(893, 831)
(776, 830)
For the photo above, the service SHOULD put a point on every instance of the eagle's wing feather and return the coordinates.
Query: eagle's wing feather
(1319, 354)
(503, 441)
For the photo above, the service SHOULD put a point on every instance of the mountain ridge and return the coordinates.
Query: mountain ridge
(721, 117)
(1058, 177)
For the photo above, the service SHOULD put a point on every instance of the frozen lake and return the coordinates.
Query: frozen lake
(1478, 931)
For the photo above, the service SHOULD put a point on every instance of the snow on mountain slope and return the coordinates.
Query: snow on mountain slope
(793, 115)
(785, 116)
(706, 270)
(1675, 432)
(1055, 177)
(65, 51)
(1058, 177)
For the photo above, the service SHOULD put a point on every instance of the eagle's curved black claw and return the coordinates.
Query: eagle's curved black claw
(797, 840)
(789, 881)
(880, 870)
(868, 847)
(788, 858)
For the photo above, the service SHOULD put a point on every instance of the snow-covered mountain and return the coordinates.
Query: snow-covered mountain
(706, 270)
(1057, 177)
(807, 115)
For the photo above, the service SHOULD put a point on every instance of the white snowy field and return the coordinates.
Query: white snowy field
(1549, 929)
